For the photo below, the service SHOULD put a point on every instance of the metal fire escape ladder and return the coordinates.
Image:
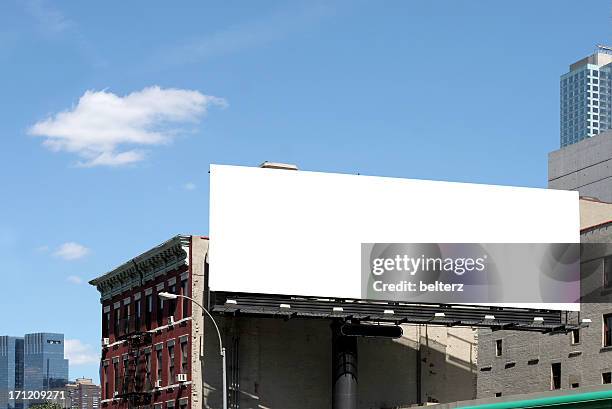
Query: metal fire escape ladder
(134, 391)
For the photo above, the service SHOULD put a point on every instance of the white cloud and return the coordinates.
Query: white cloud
(189, 186)
(74, 279)
(105, 129)
(71, 251)
(79, 353)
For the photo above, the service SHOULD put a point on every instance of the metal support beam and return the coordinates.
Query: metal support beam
(344, 369)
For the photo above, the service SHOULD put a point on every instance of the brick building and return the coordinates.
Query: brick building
(84, 394)
(510, 362)
(149, 346)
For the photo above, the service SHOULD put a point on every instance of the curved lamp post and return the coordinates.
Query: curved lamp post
(169, 296)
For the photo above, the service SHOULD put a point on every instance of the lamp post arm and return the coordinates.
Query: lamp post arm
(211, 318)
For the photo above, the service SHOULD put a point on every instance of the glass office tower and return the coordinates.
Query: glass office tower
(11, 370)
(44, 366)
(586, 92)
(33, 363)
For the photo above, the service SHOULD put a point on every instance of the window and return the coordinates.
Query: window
(184, 357)
(607, 273)
(171, 364)
(116, 376)
(172, 303)
(575, 334)
(125, 369)
(159, 365)
(575, 385)
(117, 322)
(106, 324)
(149, 310)
(160, 311)
(606, 378)
(607, 330)
(105, 380)
(147, 370)
(498, 394)
(126, 319)
(498, 347)
(555, 376)
(185, 292)
(138, 314)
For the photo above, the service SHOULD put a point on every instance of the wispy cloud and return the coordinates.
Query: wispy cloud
(71, 251)
(189, 186)
(105, 129)
(251, 34)
(49, 18)
(53, 24)
(74, 279)
(79, 353)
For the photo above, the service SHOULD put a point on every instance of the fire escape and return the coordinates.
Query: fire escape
(136, 387)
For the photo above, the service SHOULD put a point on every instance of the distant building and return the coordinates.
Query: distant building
(511, 363)
(84, 394)
(11, 370)
(586, 90)
(585, 166)
(44, 365)
(33, 363)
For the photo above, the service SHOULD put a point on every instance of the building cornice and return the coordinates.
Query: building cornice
(168, 255)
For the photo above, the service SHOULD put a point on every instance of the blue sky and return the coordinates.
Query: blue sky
(95, 169)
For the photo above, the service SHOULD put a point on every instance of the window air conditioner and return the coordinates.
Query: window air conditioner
(158, 383)
(105, 342)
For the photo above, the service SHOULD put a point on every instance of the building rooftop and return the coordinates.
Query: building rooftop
(594, 212)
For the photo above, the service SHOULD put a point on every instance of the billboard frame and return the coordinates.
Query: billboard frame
(396, 313)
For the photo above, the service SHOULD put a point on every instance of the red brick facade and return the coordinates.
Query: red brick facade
(146, 341)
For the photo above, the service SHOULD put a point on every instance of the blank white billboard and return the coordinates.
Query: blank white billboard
(301, 233)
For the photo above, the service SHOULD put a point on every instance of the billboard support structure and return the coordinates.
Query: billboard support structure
(449, 315)
(344, 369)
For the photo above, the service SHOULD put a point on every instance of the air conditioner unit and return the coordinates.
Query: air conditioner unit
(170, 320)
(158, 383)
(116, 393)
(181, 377)
(105, 342)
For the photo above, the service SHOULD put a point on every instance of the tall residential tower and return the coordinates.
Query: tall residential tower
(586, 92)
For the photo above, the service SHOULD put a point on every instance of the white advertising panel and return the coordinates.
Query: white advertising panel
(305, 233)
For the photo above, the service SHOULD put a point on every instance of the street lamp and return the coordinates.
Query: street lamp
(169, 296)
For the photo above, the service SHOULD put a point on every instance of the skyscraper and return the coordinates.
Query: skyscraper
(586, 92)
(44, 366)
(32, 363)
(11, 370)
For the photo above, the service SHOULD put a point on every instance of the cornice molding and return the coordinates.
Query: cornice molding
(168, 255)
